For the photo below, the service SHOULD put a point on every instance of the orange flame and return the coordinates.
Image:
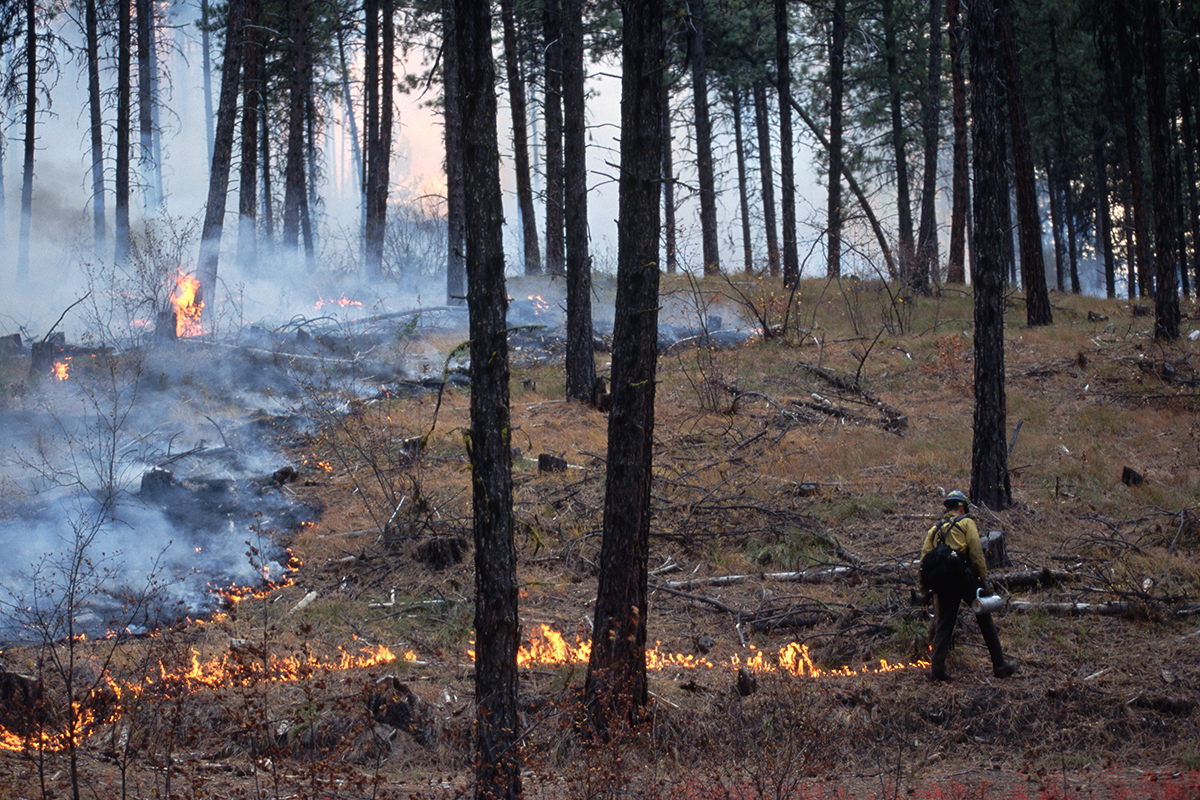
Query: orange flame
(342, 301)
(548, 647)
(62, 369)
(187, 309)
(539, 304)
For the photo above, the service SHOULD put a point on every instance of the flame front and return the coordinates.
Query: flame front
(549, 648)
(342, 301)
(62, 369)
(187, 309)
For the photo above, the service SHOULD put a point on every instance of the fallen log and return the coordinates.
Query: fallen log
(1038, 577)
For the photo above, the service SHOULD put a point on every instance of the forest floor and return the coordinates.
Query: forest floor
(794, 482)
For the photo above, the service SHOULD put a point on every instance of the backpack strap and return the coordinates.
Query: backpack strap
(943, 530)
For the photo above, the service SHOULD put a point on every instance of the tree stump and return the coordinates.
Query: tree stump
(995, 552)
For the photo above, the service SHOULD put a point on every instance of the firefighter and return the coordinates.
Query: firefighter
(955, 580)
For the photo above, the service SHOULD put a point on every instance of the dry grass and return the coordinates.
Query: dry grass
(733, 460)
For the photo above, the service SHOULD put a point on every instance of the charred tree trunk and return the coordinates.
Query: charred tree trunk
(615, 688)
(704, 163)
(517, 103)
(218, 178)
(1056, 220)
(927, 242)
(580, 355)
(268, 204)
(206, 70)
(1029, 226)
(787, 180)
(960, 204)
(837, 62)
(497, 628)
(555, 250)
(989, 461)
(1166, 286)
(387, 78)
(766, 174)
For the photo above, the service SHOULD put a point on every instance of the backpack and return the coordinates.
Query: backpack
(942, 569)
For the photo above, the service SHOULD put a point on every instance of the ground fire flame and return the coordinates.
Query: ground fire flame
(187, 309)
(62, 369)
(548, 647)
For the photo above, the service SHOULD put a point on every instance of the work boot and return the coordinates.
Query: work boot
(991, 637)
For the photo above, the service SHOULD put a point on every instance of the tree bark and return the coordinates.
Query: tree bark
(145, 31)
(1029, 226)
(580, 353)
(555, 249)
(31, 104)
(989, 461)
(668, 184)
(1103, 213)
(293, 168)
(517, 103)
(96, 127)
(905, 244)
(247, 246)
(497, 761)
(124, 103)
(615, 688)
(1140, 256)
(218, 178)
(787, 180)
(960, 204)
(1166, 286)
(766, 175)
(837, 62)
(704, 163)
(206, 71)
(743, 200)
(456, 269)
(927, 241)
(372, 231)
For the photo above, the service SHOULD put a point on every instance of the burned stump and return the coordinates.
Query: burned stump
(995, 551)
(391, 702)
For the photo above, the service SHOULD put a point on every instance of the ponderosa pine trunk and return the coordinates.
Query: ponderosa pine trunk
(906, 244)
(96, 126)
(1129, 67)
(556, 259)
(247, 244)
(456, 268)
(1166, 280)
(218, 178)
(123, 133)
(497, 626)
(705, 170)
(1029, 226)
(990, 485)
(668, 175)
(927, 239)
(615, 689)
(293, 168)
(837, 63)
(1103, 211)
(31, 104)
(960, 203)
(766, 175)
(787, 179)
(580, 353)
(517, 104)
(372, 232)
(743, 200)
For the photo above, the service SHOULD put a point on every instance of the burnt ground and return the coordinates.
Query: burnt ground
(794, 482)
